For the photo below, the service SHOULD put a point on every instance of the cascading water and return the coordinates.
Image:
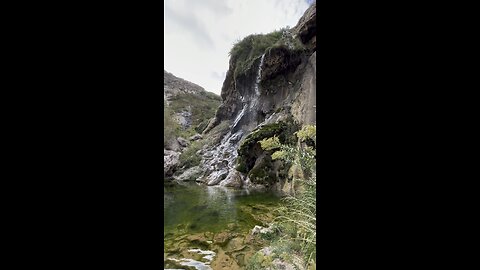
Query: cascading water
(257, 83)
(259, 75)
(239, 117)
(220, 160)
(254, 100)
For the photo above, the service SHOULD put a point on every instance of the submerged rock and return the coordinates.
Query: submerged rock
(222, 238)
(199, 239)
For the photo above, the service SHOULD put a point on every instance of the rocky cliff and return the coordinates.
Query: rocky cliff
(187, 109)
(269, 89)
(173, 86)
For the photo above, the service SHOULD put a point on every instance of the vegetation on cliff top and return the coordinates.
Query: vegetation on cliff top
(244, 52)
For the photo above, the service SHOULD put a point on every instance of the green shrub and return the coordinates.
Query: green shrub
(246, 51)
(203, 107)
(298, 215)
(259, 262)
(170, 126)
(189, 157)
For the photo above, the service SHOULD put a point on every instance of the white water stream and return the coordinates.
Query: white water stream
(220, 160)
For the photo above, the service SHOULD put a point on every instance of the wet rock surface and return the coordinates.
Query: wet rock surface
(233, 179)
(170, 161)
(191, 174)
(219, 161)
(226, 251)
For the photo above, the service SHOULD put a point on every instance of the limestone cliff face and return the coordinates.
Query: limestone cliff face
(274, 95)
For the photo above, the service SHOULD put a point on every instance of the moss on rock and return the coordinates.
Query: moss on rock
(256, 162)
(262, 173)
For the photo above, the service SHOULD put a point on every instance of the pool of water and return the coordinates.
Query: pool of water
(197, 208)
(197, 217)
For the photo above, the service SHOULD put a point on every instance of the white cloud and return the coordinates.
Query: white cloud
(199, 34)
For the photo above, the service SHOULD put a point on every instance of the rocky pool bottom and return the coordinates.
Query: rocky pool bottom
(209, 227)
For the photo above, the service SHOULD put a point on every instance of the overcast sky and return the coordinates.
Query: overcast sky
(200, 33)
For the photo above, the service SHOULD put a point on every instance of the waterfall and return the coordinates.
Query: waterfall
(240, 115)
(254, 100)
(259, 76)
(257, 83)
(221, 159)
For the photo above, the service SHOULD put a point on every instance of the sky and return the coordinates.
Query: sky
(200, 33)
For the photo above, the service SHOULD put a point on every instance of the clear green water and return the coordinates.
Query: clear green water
(194, 208)
(198, 217)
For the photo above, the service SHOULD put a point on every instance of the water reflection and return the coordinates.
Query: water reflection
(196, 208)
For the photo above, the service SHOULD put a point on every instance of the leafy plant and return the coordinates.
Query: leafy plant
(299, 210)
(189, 157)
(170, 126)
(259, 261)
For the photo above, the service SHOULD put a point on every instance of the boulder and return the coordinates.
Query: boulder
(195, 137)
(173, 145)
(182, 142)
(233, 179)
(190, 175)
(261, 230)
(216, 177)
(256, 229)
(170, 161)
